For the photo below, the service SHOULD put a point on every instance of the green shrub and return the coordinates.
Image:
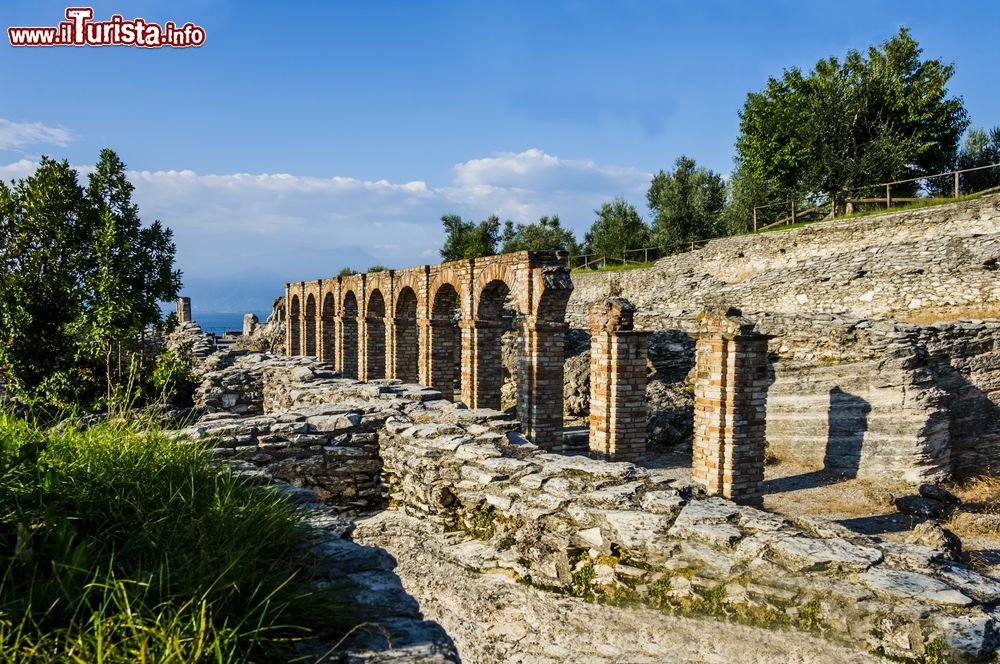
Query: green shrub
(120, 545)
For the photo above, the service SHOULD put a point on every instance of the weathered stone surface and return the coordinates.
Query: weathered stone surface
(815, 555)
(507, 508)
(912, 585)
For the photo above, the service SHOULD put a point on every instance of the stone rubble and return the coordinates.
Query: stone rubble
(614, 532)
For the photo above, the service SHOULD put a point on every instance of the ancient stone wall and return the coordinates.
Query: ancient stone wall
(612, 532)
(939, 261)
(868, 397)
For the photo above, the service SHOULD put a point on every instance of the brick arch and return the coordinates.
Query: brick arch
(375, 304)
(409, 279)
(295, 329)
(487, 278)
(438, 290)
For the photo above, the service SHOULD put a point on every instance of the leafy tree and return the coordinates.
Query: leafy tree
(980, 148)
(746, 192)
(377, 268)
(617, 229)
(81, 276)
(879, 116)
(129, 269)
(346, 272)
(42, 230)
(468, 239)
(688, 203)
(545, 235)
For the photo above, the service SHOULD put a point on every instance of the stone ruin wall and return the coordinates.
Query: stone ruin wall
(612, 532)
(854, 390)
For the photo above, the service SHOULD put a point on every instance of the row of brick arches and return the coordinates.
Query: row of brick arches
(440, 326)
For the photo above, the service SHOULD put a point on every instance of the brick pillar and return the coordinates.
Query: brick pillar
(481, 369)
(442, 337)
(730, 401)
(371, 355)
(404, 349)
(346, 353)
(304, 323)
(617, 382)
(328, 336)
(183, 310)
(540, 382)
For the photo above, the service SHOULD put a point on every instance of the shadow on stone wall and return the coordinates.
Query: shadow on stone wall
(847, 422)
(973, 422)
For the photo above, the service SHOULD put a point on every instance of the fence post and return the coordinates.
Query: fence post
(888, 196)
(956, 184)
(793, 214)
(755, 220)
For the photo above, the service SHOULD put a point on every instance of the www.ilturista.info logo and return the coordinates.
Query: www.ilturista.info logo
(80, 30)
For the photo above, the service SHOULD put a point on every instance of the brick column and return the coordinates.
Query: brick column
(371, 345)
(617, 382)
(481, 368)
(328, 335)
(346, 353)
(730, 401)
(439, 348)
(540, 382)
(404, 349)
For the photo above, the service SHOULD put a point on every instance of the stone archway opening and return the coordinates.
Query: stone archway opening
(310, 321)
(349, 336)
(327, 314)
(374, 351)
(406, 341)
(445, 356)
(481, 388)
(294, 341)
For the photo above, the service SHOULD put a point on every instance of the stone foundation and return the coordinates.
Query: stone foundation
(607, 531)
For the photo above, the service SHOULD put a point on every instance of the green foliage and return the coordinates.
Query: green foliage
(43, 226)
(377, 268)
(346, 272)
(745, 192)
(875, 117)
(688, 204)
(82, 278)
(468, 239)
(617, 229)
(173, 376)
(121, 545)
(980, 148)
(545, 235)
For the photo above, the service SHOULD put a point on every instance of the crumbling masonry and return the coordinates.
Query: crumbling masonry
(440, 325)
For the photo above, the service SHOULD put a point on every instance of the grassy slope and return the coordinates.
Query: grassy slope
(120, 546)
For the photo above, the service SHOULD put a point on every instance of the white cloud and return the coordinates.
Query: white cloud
(257, 231)
(21, 134)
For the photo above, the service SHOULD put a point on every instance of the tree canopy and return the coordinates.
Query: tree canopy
(688, 204)
(81, 274)
(872, 117)
(980, 148)
(545, 235)
(468, 239)
(617, 229)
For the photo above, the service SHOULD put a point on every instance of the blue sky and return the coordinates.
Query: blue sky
(306, 136)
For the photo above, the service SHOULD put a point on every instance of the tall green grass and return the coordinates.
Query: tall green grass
(121, 545)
